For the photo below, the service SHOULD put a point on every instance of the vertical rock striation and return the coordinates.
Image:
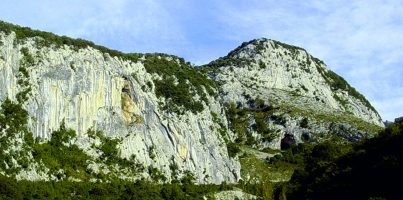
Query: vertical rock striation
(88, 89)
(165, 114)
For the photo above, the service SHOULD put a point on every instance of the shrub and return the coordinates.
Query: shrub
(56, 155)
(304, 123)
(233, 149)
(13, 117)
(177, 96)
(189, 82)
(156, 175)
(336, 82)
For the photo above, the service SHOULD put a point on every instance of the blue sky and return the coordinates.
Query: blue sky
(361, 40)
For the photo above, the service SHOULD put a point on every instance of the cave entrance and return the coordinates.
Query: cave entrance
(287, 142)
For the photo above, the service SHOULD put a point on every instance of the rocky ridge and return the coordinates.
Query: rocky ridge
(159, 116)
(88, 90)
(298, 95)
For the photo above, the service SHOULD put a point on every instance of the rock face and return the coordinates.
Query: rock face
(297, 84)
(90, 90)
(167, 116)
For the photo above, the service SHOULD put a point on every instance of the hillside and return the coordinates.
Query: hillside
(76, 112)
(283, 90)
(370, 170)
(155, 109)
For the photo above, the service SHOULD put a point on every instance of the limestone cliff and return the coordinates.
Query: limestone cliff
(298, 88)
(91, 90)
(155, 116)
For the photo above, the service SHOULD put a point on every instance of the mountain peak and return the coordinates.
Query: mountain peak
(262, 47)
(258, 46)
(157, 112)
(264, 67)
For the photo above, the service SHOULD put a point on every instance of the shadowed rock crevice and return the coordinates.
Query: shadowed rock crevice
(287, 142)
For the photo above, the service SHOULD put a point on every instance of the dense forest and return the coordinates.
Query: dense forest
(371, 169)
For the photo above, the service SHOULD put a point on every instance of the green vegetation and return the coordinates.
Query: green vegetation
(49, 39)
(151, 152)
(111, 154)
(337, 82)
(261, 127)
(23, 76)
(233, 149)
(371, 169)
(59, 154)
(335, 118)
(273, 173)
(237, 122)
(316, 169)
(222, 130)
(13, 118)
(341, 100)
(225, 61)
(293, 49)
(179, 94)
(262, 65)
(332, 169)
(304, 123)
(264, 172)
(116, 189)
(259, 46)
(240, 119)
(256, 168)
(180, 82)
(27, 59)
(317, 61)
(156, 175)
(174, 170)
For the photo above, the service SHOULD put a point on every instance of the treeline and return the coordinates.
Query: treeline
(116, 189)
(71, 160)
(49, 39)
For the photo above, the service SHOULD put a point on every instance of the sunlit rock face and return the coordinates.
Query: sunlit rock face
(283, 95)
(87, 89)
(297, 84)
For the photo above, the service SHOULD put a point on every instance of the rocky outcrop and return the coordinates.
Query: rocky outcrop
(87, 89)
(165, 116)
(297, 85)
